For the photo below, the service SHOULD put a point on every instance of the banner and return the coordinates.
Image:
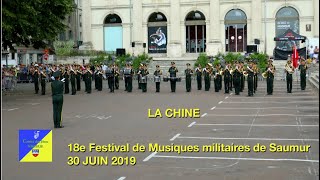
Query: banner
(157, 39)
(283, 55)
(281, 27)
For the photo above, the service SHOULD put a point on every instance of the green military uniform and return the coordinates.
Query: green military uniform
(227, 80)
(270, 77)
(199, 77)
(78, 77)
(207, 77)
(188, 73)
(303, 75)
(289, 76)
(237, 80)
(157, 73)
(73, 82)
(144, 72)
(66, 84)
(242, 78)
(36, 81)
(173, 76)
(88, 81)
(250, 80)
(57, 88)
(43, 83)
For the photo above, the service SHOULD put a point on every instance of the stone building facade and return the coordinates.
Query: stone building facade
(184, 28)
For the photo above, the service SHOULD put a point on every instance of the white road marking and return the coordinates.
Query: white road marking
(220, 102)
(193, 123)
(302, 107)
(217, 129)
(309, 170)
(12, 109)
(231, 158)
(279, 97)
(213, 108)
(122, 178)
(174, 137)
(262, 115)
(226, 97)
(150, 156)
(203, 115)
(262, 125)
(272, 102)
(259, 139)
(231, 93)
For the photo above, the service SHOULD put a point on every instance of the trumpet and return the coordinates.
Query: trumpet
(245, 73)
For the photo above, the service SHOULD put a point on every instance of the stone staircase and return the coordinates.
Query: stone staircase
(314, 81)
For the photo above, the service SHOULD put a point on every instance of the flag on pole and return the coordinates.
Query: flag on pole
(295, 57)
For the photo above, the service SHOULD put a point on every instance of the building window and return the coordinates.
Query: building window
(195, 32)
(62, 36)
(157, 33)
(70, 35)
(236, 31)
(112, 33)
(286, 18)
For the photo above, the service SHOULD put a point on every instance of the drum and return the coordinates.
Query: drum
(165, 79)
(109, 71)
(157, 78)
(143, 79)
(127, 72)
(178, 79)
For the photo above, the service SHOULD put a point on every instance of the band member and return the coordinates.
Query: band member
(173, 74)
(66, 77)
(250, 72)
(140, 68)
(237, 78)
(143, 73)
(270, 70)
(126, 70)
(96, 84)
(35, 75)
(78, 77)
(99, 78)
(207, 76)
(73, 81)
(128, 74)
(227, 78)
(217, 78)
(255, 76)
(88, 80)
(157, 73)
(116, 76)
(57, 99)
(199, 76)
(110, 75)
(231, 82)
(242, 77)
(188, 72)
(43, 77)
(289, 71)
(303, 73)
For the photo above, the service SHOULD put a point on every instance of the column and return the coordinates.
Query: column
(86, 22)
(174, 46)
(316, 18)
(256, 21)
(137, 27)
(214, 44)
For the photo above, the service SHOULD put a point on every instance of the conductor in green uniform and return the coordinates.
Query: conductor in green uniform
(57, 88)
(188, 73)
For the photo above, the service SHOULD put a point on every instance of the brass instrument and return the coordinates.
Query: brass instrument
(289, 69)
(245, 73)
(265, 74)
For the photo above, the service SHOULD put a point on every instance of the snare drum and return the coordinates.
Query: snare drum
(143, 79)
(178, 79)
(157, 78)
(165, 79)
(109, 71)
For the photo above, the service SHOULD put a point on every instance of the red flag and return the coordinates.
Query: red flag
(295, 57)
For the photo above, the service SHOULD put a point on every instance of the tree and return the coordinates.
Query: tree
(33, 22)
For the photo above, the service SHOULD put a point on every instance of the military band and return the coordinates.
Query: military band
(110, 74)
(289, 71)
(269, 75)
(143, 74)
(173, 76)
(227, 78)
(303, 73)
(188, 73)
(157, 77)
(250, 72)
(237, 78)
(128, 74)
(73, 81)
(207, 71)
(199, 76)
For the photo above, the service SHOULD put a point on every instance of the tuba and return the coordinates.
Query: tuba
(265, 74)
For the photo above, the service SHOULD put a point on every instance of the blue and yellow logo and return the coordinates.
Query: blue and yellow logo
(35, 145)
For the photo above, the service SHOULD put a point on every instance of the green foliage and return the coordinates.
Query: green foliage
(122, 60)
(262, 60)
(63, 48)
(232, 57)
(33, 22)
(202, 60)
(98, 60)
(143, 58)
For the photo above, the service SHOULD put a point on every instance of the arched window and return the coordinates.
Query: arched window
(236, 31)
(286, 18)
(112, 32)
(195, 32)
(157, 33)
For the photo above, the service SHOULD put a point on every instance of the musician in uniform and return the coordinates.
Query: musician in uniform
(96, 84)
(227, 78)
(140, 68)
(116, 76)
(303, 73)
(66, 77)
(43, 77)
(255, 76)
(57, 99)
(157, 73)
(188, 72)
(289, 71)
(110, 75)
(207, 76)
(173, 76)
(35, 76)
(199, 76)
(78, 77)
(242, 77)
(237, 78)
(73, 81)
(143, 77)
(126, 70)
(99, 78)
(250, 78)
(231, 82)
(88, 80)
(270, 70)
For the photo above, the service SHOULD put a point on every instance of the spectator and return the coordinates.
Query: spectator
(310, 51)
(316, 53)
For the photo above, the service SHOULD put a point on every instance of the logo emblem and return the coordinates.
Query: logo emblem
(36, 134)
(35, 152)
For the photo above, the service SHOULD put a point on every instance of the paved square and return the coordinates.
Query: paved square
(104, 118)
